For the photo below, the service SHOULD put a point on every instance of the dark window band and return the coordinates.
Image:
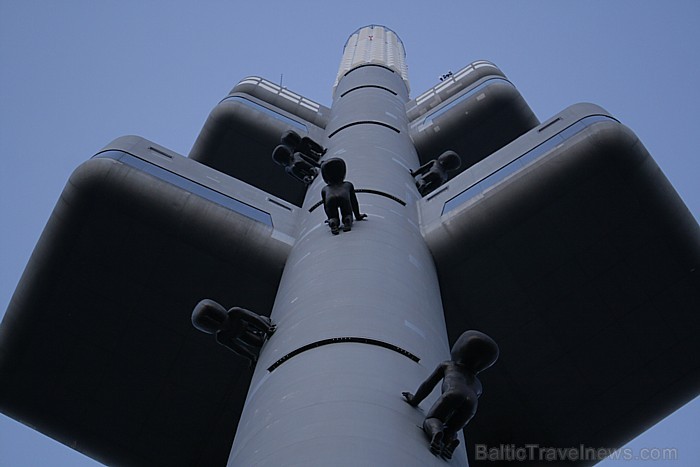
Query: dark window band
(369, 64)
(364, 122)
(365, 87)
(381, 193)
(340, 340)
(367, 190)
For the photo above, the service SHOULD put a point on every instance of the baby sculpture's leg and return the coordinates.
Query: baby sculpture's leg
(253, 337)
(456, 422)
(437, 424)
(259, 322)
(346, 212)
(237, 346)
(241, 349)
(331, 208)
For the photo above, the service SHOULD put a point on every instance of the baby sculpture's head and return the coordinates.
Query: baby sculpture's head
(475, 350)
(291, 139)
(282, 155)
(333, 170)
(449, 160)
(209, 316)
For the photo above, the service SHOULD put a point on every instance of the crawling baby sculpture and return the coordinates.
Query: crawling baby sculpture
(434, 173)
(296, 164)
(338, 195)
(473, 352)
(241, 330)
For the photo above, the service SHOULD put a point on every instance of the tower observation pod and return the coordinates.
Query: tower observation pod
(365, 261)
(359, 315)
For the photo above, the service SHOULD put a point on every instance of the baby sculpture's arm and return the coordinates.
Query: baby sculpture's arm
(354, 203)
(426, 387)
(235, 345)
(307, 159)
(423, 168)
(261, 323)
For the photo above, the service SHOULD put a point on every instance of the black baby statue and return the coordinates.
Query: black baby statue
(434, 173)
(473, 352)
(299, 156)
(338, 195)
(296, 164)
(241, 330)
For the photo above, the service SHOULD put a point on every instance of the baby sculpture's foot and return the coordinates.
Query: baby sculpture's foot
(449, 448)
(333, 224)
(436, 443)
(347, 224)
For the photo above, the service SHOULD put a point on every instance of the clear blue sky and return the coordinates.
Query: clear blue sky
(76, 74)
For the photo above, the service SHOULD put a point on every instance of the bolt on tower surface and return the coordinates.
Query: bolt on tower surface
(560, 239)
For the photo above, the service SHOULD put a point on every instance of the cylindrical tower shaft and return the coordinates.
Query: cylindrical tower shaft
(359, 314)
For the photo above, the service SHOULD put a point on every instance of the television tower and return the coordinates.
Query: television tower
(561, 239)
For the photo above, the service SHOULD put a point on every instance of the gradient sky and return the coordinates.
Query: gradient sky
(75, 75)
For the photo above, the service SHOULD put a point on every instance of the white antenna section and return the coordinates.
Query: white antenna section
(373, 44)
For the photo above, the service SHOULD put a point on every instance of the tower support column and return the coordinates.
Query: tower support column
(359, 315)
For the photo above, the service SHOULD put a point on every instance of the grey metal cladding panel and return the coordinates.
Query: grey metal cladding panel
(283, 98)
(97, 349)
(439, 93)
(373, 74)
(371, 103)
(474, 123)
(583, 266)
(238, 139)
